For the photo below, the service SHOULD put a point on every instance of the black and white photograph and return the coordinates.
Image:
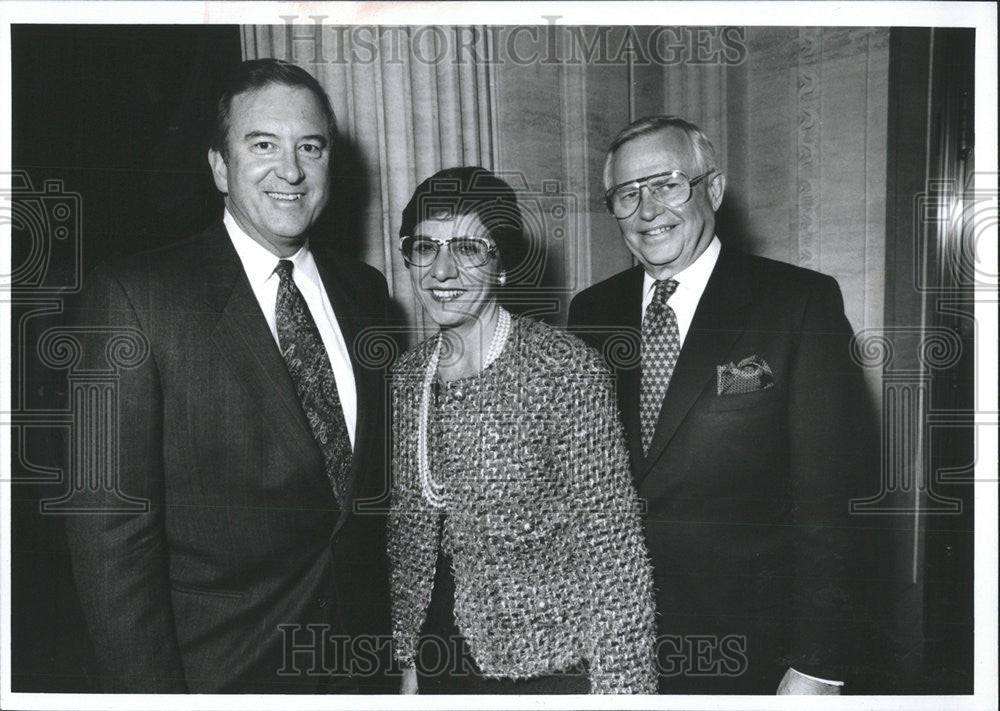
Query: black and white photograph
(517, 355)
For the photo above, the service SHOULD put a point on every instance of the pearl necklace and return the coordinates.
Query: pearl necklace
(432, 491)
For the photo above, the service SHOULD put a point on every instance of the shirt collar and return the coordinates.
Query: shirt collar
(692, 278)
(258, 263)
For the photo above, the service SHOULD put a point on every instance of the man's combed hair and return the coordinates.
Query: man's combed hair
(703, 149)
(257, 74)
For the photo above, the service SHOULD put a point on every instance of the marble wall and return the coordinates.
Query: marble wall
(797, 115)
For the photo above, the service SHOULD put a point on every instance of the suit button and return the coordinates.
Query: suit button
(321, 602)
(458, 393)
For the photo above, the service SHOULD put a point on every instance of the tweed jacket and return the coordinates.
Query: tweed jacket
(540, 516)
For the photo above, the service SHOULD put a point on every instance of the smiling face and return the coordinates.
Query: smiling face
(667, 239)
(276, 173)
(454, 296)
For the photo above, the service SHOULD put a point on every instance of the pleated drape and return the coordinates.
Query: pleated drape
(409, 101)
(797, 116)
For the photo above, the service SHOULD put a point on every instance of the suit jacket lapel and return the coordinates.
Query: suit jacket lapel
(629, 378)
(718, 321)
(242, 335)
(346, 309)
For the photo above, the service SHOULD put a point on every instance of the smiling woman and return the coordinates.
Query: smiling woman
(453, 266)
(518, 559)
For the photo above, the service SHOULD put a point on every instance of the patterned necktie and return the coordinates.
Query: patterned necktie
(660, 346)
(308, 364)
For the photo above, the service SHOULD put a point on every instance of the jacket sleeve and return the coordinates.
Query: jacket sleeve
(119, 552)
(412, 527)
(612, 553)
(832, 452)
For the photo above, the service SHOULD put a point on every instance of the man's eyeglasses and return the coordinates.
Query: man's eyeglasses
(671, 189)
(468, 252)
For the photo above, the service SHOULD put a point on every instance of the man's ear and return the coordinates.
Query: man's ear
(716, 188)
(220, 171)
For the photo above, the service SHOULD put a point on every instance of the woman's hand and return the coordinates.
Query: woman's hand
(409, 685)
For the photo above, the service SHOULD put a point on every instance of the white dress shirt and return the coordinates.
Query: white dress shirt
(691, 283)
(259, 264)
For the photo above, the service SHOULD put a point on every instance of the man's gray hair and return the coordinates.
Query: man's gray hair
(704, 151)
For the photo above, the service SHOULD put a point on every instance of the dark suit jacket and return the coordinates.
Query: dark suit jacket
(747, 494)
(243, 544)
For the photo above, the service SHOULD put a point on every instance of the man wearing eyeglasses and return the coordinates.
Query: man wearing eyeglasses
(745, 418)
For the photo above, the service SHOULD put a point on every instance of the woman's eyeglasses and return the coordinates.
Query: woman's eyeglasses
(468, 252)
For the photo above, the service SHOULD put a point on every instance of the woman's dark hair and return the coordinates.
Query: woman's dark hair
(257, 74)
(470, 190)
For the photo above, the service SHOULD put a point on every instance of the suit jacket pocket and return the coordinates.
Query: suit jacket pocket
(742, 401)
(213, 592)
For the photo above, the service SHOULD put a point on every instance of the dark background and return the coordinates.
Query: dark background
(120, 115)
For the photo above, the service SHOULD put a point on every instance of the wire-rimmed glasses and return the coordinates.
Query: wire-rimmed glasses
(468, 252)
(671, 189)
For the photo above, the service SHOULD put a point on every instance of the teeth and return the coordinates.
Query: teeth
(658, 231)
(446, 294)
(285, 196)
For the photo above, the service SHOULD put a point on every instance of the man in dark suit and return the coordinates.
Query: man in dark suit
(250, 430)
(745, 419)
